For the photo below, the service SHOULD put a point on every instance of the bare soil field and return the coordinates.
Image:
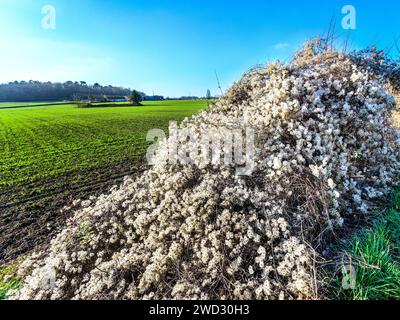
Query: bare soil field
(33, 219)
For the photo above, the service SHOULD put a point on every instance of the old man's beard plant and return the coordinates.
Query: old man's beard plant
(324, 151)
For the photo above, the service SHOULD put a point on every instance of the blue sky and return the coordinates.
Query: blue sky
(172, 47)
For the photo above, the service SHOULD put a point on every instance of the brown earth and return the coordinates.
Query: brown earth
(30, 215)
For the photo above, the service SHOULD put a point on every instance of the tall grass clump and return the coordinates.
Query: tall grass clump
(9, 283)
(374, 255)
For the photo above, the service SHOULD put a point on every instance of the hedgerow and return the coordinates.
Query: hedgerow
(325, 150)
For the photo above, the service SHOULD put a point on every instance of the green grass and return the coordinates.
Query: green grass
(375, 255)
(43, 142)
(8, 281)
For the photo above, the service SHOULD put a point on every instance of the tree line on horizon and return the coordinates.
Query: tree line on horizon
(49, 91)
(24, 91)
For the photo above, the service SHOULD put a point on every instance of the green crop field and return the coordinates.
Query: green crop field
(52, 154)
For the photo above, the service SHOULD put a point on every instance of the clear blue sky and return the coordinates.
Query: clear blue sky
(172, 47)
